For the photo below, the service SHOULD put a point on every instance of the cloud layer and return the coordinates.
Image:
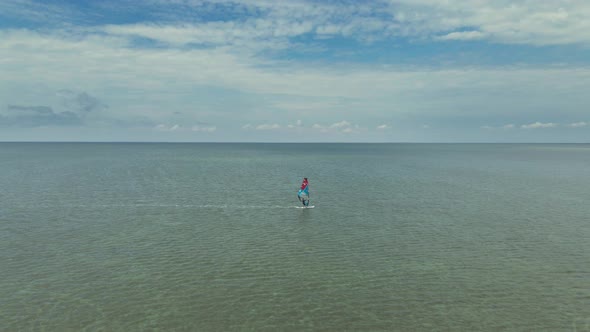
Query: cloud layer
(237, 69)
(223, 22)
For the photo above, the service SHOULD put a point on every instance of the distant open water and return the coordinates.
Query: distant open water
(207, 237)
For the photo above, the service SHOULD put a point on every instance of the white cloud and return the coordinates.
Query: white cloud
(340, 125)
(578, 124)
(169, 128)
(505, 127)
(539, 125)
(463, 35)
(205, 129)
(273, 126)
(264, 126)
(524, 22)
(383, 127)
(213, 33)
(180, 128)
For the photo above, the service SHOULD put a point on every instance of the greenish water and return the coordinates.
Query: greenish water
(208, 237)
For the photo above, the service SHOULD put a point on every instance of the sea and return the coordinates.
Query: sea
(212, 237)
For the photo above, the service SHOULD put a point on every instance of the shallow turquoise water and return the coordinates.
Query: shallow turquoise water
(208, 237)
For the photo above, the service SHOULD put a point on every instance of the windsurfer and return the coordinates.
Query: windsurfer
(303, 193)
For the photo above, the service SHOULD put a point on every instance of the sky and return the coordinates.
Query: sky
(295, 71)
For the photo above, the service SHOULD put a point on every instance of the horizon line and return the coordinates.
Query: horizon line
(263, 142)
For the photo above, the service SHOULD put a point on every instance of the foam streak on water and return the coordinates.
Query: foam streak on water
(211, 237)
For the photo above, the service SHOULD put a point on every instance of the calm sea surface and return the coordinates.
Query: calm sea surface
(210, 237)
